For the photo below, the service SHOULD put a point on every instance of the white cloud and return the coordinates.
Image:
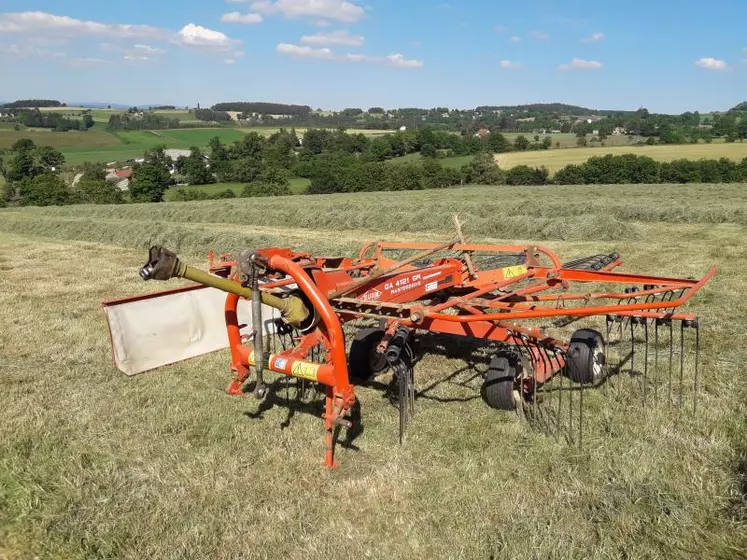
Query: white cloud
(712, 64)
(229, 61)
(136, 57)
(342, 37)
(501, 29)
(304, 52)
(36, 25)
(538, 35)
(594, 38)
(508, 65)
(400, 61)
(46, 23)
(85, 62)
(579, 64)
(237, 17)
(239, 54)
(396, 60)
(340, 10)
(15, 51)
(148, 49)
(197, 36)
(515, 39)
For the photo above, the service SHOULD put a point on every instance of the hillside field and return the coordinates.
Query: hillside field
(557, 159)
(99, 145)
(97, 465)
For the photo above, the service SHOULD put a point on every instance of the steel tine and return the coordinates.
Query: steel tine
(618, 343)
(682, 359)
(656, 360)
(570, 411)
(550, 366)
(581, 414)
(402, 397)
(534, 396)
(645, 362)
(671, 356)
(632, 347)
(608, 321)
(412, 381)
(696, 325)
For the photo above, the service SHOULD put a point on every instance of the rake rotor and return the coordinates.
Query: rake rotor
(561, 329)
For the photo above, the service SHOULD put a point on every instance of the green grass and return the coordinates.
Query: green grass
(297, 184)
(557, 159)
(164, 465)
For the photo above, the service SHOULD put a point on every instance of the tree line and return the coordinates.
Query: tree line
(144, 121)
(37, 119)
(32, 178)
(263, 108)
(30, 103)
(333, 161)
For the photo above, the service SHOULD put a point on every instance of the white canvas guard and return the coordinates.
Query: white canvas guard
(154, 330)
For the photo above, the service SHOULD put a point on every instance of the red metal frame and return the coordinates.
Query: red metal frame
(441, 296)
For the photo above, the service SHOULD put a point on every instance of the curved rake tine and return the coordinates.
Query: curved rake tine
(645, 363)
(581, 414)
(656, 359)
(671, 356)
(682, 359)
(696, 325)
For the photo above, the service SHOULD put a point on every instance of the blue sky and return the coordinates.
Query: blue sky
(666, 55)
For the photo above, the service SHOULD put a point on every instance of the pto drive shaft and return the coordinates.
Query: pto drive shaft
(164, 265)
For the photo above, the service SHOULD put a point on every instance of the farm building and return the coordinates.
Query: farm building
(120, 177)
(482, 133)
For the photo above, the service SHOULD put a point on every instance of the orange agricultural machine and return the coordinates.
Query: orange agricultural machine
(285, 311)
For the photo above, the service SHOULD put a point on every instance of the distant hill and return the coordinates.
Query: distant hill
(541, 108)
(31, 103)
(97, 105)
(263, 108)
(740, 107)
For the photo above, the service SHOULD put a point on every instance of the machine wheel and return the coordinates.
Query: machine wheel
(364, 362)
(585, 359)
(498, 389)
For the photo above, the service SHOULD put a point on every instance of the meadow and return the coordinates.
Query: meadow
(98, 145)
(557, 159)
(163, 465)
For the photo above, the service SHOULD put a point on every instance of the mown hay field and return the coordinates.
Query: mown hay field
(163, 465)
(297, 186)
(557, 159)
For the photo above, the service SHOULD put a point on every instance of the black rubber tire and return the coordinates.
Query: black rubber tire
(363, 363)
(498, 388)
(585, 355)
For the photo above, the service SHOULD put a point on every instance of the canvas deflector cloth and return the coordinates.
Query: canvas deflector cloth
(162, 328)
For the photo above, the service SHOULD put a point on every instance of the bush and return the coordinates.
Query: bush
(569, 175)
(627, 168)
(680, 171)
(97, 192)
(483, 170)
(44, 190)
(524, 175)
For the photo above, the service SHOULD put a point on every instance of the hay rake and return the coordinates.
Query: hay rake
(521, 300)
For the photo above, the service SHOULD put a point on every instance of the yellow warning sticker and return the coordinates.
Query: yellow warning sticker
(513, 271)
(305, 370)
